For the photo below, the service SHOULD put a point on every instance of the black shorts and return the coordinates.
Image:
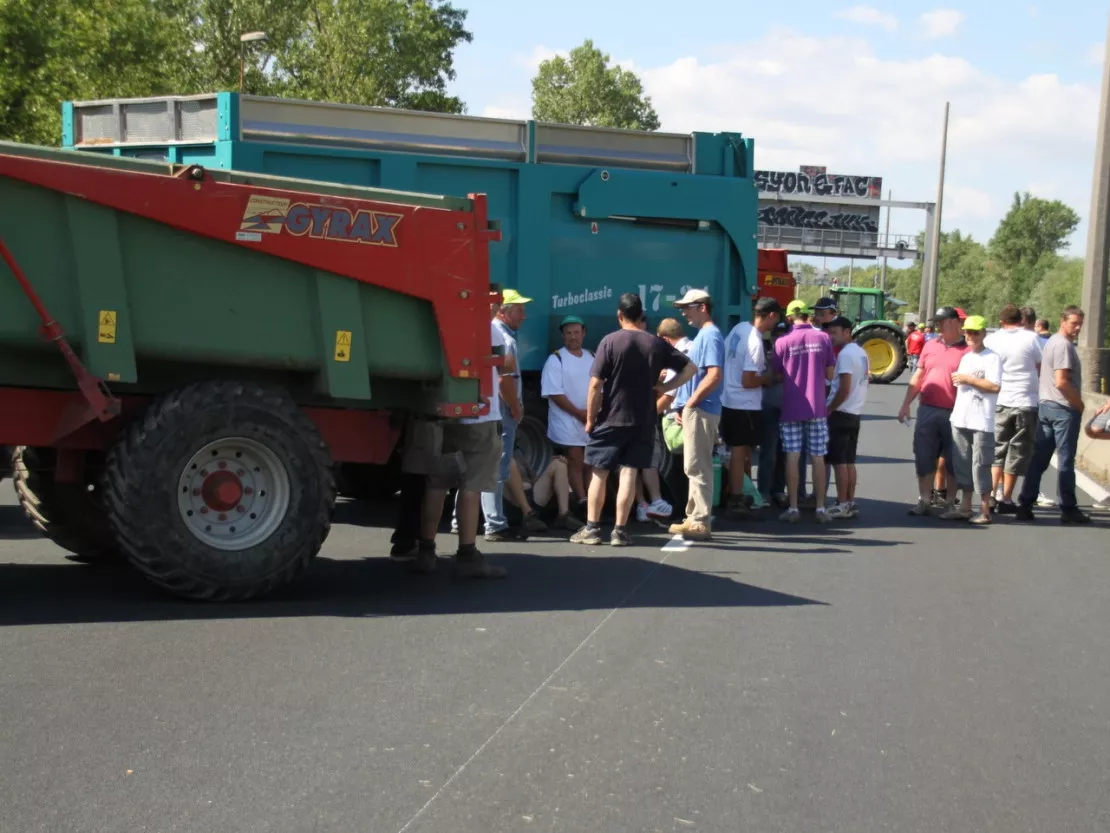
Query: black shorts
(843, 438)
(741, 429)
(631, 446)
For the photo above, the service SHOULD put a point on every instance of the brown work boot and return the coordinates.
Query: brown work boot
(474, 565)
(679, 528)
(696, 531)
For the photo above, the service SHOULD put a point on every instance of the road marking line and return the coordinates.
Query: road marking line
(676, 544)
(620, 605)
(1085, 483)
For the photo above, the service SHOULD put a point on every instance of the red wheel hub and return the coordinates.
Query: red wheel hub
(222, 491)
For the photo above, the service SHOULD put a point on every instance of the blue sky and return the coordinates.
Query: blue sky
(857, 87)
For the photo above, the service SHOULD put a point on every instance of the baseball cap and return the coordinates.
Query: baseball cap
(825, 303)
(976, 323)
(571, 319)
(765, 306)
(946, 313)
(797, 306)
(960, 312)
(840, 321)
(511, 296)
(693, 296)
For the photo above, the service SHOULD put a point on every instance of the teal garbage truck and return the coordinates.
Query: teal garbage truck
(585, 213)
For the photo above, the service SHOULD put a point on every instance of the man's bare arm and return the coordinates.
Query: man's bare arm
(681, 378)
(842, 392)
(1068, 389)
(593, 402)
(708, 384)
(563, 402)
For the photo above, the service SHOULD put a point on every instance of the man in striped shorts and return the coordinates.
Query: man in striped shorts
(804, 357)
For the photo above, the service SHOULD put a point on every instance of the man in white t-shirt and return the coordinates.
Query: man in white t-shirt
(745, 374)
(847, 396)
(478, 441)
(1016, 416)
(565, 384)
(978, 379)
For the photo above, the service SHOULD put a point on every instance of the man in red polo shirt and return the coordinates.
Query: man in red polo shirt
(932, 435)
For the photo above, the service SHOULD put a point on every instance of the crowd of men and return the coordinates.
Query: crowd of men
(782, 390)
(994, 409)
(787, 386)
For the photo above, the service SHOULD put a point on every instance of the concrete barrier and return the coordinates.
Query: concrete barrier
(1093, 458)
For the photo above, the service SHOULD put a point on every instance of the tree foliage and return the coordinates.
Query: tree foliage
(584, 89)
(396, 53)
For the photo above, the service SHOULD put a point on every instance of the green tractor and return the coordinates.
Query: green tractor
(882, 340)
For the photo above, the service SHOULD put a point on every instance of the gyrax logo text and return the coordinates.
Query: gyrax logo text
(269, 215)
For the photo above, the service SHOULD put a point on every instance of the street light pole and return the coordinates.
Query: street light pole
(244, 39)
(1096, 267)
(934, 244)
(886, 240)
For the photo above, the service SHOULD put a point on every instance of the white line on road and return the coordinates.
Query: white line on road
(676, 544)
(1086, 484)
(539, 688)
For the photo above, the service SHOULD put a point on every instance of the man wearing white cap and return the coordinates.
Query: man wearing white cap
(699, 404)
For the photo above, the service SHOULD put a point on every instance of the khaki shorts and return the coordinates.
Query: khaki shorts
(470, 456)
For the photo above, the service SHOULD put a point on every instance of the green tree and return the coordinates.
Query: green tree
(1031, 229)
(53, 50)
(395, 53)
(585, 89)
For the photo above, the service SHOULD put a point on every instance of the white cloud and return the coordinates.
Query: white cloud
(883, 118)
(1033, 11)
(941, 23)
(868, 16)
(1097, 53)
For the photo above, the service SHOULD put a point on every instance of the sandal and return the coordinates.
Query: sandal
(982, 520)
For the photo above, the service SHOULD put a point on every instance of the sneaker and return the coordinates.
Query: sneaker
(404, 551)
(955, 514)
(1073, 517)
(1024, 513)
(642, 513)
(476, 566)
(738, 509)
(696, 532)
(425, 560)
(659, 510)
(982, 520)
(1045, 502)
(854, 509)
(533, 525)
(781, 500)
(509, 533)
(920, 509)
(619, 538)
(822, 516)
(1006, 507)
(841, 512)
(940, 498)
(791, 516)
(587, 537)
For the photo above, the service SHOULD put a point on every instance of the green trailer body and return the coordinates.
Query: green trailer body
(187, 353)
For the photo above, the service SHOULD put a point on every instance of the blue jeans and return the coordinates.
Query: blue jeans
(1057, 430)
(493, 503)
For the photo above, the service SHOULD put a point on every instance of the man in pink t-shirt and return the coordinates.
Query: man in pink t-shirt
(932, 381)
(804, 357)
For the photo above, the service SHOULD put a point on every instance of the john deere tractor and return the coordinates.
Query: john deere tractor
(882, 340)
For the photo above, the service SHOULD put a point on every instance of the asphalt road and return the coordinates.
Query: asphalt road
(894, 674)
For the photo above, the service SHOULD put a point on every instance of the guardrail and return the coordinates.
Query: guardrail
(835, 241)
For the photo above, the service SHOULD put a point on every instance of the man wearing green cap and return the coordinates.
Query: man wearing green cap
(565, 384)
(508, 320)
(978, 379)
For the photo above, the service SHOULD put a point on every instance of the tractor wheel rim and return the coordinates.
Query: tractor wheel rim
(233, 494)
(880, 354)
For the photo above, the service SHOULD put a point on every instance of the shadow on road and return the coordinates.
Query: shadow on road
(33, 594)
(14, 525)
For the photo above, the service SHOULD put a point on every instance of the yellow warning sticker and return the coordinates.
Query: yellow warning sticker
(342, 345)
(106, 327)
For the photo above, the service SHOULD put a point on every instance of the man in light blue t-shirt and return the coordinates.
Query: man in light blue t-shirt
(699, 406)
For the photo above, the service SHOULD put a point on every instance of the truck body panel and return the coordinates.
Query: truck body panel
(585, 213)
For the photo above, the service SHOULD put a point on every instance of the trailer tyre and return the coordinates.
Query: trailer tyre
(222, 491)
(69, 514)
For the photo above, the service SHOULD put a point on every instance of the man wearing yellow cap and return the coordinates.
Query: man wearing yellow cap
(978, 379)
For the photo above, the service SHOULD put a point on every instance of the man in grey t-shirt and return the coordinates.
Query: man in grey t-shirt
(1058, 421)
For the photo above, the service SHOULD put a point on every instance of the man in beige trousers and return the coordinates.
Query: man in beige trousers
(698, 403)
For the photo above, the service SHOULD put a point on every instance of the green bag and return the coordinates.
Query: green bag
(672, 434)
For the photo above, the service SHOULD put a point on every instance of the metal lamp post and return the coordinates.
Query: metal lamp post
(244, 39)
